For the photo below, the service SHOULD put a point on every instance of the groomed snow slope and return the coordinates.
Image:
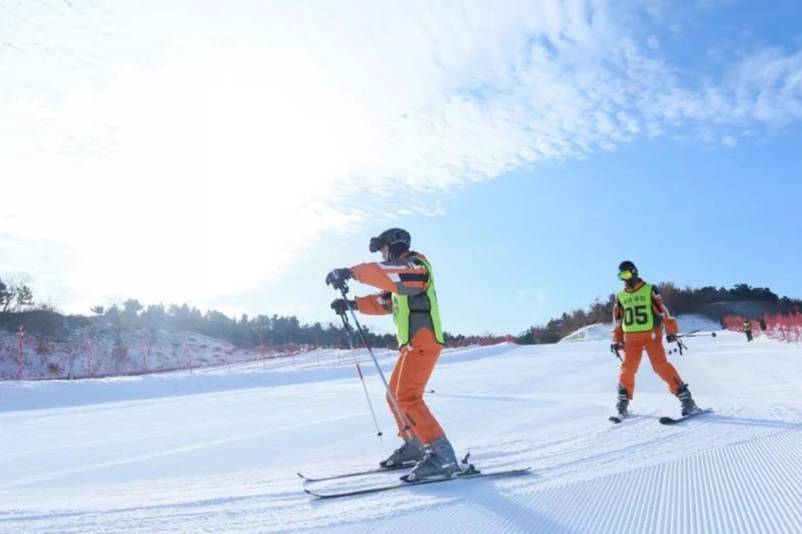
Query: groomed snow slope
(223, 457)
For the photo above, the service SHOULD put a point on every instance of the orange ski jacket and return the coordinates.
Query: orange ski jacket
(402, 276)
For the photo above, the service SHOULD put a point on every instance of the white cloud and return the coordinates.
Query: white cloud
(175, 154)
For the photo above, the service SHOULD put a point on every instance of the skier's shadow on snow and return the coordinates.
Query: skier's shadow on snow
(506, 511)
(749, 421)
(510, 512)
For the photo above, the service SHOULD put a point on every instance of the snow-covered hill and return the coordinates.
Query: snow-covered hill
(592, 332)
(690, 322)
(97, 351)
(218, 450)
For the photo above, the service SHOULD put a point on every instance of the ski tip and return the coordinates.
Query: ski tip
(511, 472)
(301, 476)
(521, 471)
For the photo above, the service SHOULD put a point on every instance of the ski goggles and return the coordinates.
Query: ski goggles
(625, 275)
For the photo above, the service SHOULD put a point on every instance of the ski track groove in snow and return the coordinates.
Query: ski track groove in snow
(713, 491)
(746, 487)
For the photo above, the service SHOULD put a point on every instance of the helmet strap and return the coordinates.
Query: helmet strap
(395, 251)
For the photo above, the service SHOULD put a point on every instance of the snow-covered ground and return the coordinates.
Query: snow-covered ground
(218, 450)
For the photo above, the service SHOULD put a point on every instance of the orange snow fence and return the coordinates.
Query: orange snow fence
(781, 327)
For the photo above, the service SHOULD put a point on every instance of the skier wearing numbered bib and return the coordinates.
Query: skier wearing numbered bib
(639, 316)
(406, 281)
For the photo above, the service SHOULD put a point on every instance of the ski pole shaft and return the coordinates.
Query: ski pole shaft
(691, 333)
(390, 394)
(359, 372)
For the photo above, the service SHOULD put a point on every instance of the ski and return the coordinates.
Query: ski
(376, 470)
(379, 489)
(673, 421)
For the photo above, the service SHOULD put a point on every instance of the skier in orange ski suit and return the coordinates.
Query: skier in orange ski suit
(406, 282)
(639, 315)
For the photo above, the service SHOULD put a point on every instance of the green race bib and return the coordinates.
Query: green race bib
(638, 311)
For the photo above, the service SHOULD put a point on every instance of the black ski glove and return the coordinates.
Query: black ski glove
(337, 277)
(340, 306)
(671, 338)
(615, 346)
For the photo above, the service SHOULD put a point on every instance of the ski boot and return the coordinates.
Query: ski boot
(439, 461)
(410, 453)
(623, 401)
(688, 405)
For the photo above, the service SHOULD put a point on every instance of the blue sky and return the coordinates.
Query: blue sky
(230, 157)
(521, 249)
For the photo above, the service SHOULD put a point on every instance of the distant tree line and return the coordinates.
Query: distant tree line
(248, 332)
(15, 297)
(556, 329)
(689, 300)
(17, 310)
(245, 331)
(679, 301)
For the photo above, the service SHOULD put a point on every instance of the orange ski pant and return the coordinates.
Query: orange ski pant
(407, 382)
(652, 342)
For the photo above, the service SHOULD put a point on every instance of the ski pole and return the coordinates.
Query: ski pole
(347, 327)
(702, 334)
(393, 401)
(680, 347)
(614, 350)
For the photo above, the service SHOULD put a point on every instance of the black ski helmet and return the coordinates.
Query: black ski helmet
(627, 265)
(397, 239)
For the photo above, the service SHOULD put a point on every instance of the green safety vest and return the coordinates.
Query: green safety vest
(405, 306)
(638, 310)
